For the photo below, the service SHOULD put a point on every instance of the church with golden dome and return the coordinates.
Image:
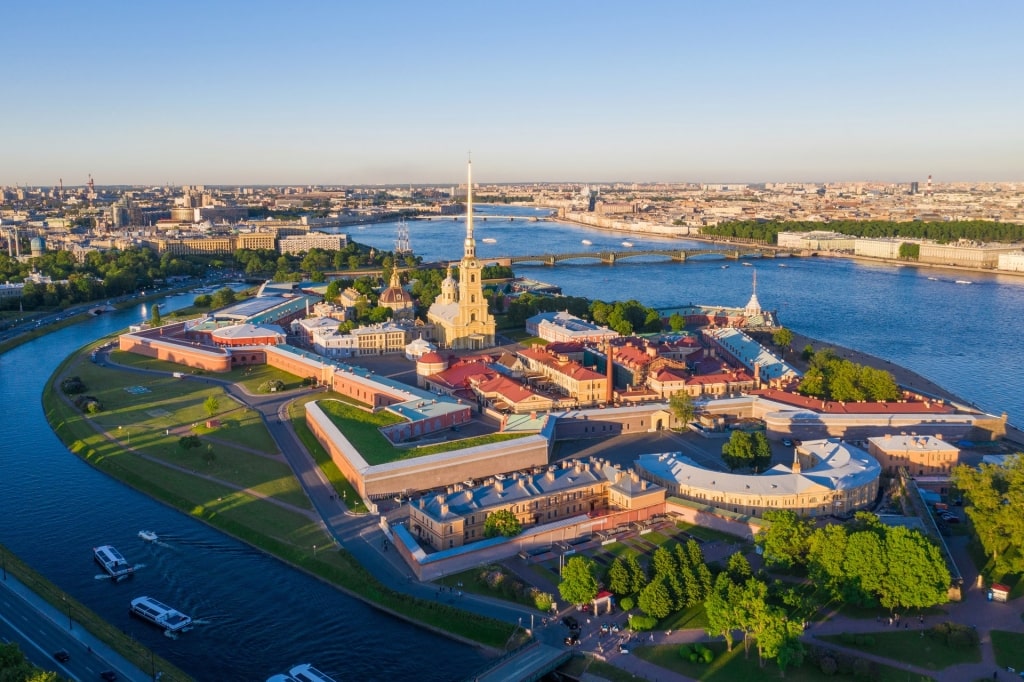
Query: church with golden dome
(459, 314)
(398, 300)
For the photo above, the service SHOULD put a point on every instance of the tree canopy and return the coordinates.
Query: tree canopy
(830, 377)
(994, 496)
(747, 450)
(578, 585)
(502, 522)
(942, 232)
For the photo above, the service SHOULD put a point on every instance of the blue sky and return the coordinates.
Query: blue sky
(385, 92)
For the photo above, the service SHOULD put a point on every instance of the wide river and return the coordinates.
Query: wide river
(264, 616)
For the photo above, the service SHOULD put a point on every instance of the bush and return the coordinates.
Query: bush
(72, 386)
(541, 600)
(828, 666)
(627, 603)
(641, 623)
(685, 651)
(271, 386)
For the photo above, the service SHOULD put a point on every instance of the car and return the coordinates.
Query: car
(62, 655)
(623, 650)
(787, 442)
(108, 675)
(605, 629)
(571, 640)
(953, 519)
(571, 622)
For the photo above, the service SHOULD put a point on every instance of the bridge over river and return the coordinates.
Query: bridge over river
(612, 257)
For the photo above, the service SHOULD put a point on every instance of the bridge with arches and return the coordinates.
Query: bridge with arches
(612, 257)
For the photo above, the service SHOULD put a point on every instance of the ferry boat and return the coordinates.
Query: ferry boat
(304, 672)
(148, 535)
(587, 242)
(627, 244)
(160, 615)
(112, 561)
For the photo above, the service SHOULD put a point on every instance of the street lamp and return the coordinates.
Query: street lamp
(314, 550)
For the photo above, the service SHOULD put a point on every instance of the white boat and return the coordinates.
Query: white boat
(489, 240)
(746, 264)
(964, 281)
(305, 672)
(783, 265)
(171, 620)
(112, 561)
(587, 242)
(934, 279)
(627, 244)
(725, 267)
(148, 535)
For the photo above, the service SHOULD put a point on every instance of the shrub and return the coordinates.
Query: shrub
(828, 666)
(271, 386)
(685, 651)
(72, 385)
(708, 655)
(641, 623)
(627, 603)
(541, 600)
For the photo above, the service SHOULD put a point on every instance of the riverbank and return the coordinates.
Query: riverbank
(672, 232)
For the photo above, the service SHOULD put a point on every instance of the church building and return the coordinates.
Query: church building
(460, 311)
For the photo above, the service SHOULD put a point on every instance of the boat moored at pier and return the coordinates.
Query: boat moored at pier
(112, 561)
(304, 672)
(171, 620)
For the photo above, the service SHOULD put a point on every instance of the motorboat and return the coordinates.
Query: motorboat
(627, 244)
(747, 265)
(112, 561)
(489, 240)
(304, 672)
(161, 615)
(964, 281)
(587, 242)
(148, 535)
(725, 267)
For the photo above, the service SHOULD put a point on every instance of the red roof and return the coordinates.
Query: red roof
(431, 357)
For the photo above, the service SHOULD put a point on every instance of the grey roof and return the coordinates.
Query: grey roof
(839, 466)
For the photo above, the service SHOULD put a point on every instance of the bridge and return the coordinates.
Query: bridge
(477, 217)
(528, 664)
(612, 257)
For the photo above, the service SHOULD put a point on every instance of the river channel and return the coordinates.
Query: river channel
(261, 616)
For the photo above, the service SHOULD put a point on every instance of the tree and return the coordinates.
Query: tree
(223, 297)
(994, 496)
(619, 580)
(155, 317)
(502, 522)
(676, 322)
(211, 405)
(826, 552)
(578, 584)
(720, 609)
(785, 539)
(188, 442)
(655, 599)
(738, 568)
(637, 574)
(681, 404)
(738, 451)
(783, 338)
(916, 575)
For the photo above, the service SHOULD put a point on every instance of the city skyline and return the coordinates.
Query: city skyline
(243, 94)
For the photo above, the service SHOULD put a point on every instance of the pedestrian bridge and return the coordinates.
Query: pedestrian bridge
(612, 257)
(530, 663)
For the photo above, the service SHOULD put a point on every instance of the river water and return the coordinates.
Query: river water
(264, 616)
(964, 337)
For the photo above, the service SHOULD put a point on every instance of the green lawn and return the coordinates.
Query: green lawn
(1009, 648)
(341, 485)
(909, 646)
(361, 429)
(292, 536)
(705, 534)
(508, 589)
(694, 617)
(734, 666)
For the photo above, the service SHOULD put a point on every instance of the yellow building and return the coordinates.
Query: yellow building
(921, 455)
(460, 314)
(574, 488)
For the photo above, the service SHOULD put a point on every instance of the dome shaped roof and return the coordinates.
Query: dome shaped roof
(431, 358)
(395, 295)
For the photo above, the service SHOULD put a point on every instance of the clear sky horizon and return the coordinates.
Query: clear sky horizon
(398, 92)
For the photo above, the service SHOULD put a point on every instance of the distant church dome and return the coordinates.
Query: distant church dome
(38, 246)
(397, 298)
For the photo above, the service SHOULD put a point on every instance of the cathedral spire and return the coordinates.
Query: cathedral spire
(470, 247)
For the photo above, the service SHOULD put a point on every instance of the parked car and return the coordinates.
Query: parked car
(108, 675)
(571, 623)
(787, 442)
(62, 655)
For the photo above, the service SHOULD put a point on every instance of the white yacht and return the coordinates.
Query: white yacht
(489, 240)
(148, 535)
(627, 244)
(161, 615)
(112, 561)
(304, 672)
(586, 242)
